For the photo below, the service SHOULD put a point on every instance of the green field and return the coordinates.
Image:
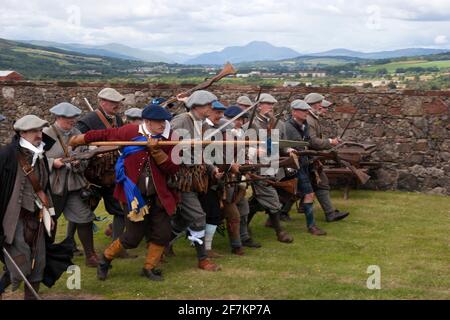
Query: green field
(405, 234)
(391, 67)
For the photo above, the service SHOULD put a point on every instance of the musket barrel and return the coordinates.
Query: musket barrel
(194, 142)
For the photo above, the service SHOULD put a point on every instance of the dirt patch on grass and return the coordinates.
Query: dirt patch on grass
(18, 295)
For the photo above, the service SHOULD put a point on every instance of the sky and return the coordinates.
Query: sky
(197, 26)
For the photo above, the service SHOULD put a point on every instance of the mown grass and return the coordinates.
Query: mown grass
(392, 66)
(405, 234)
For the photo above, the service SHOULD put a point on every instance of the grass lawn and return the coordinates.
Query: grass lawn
(392, 66)
(405, 234)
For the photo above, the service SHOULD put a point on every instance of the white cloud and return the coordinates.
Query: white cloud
(440, 39)
(194, 26)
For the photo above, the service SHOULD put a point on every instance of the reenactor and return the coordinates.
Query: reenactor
(241, 201)
(211, 201)
(193, 177)
(26, 207)
(134, 115)
(296, 128)
(142, 174)
(67, 178)
(265, 196)
(101, 171)
(317, 142)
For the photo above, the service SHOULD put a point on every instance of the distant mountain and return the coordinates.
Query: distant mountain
(115, 50)
(74, 47)
(409, 52)
(254, 51)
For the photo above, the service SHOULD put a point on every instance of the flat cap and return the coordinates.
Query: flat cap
(65, 109)
(2, 118)
(200, 98)
(233, 111)
(326, 103)
(216, 105)
(244, 100)
(313, 98)
(300, 105)
(133, 113)
(110, 94)
(156, 112)
(267, 98)
(29, 122)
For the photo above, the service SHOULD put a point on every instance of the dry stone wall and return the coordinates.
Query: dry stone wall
(410, 128)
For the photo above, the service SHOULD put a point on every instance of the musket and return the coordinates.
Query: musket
(287, 162)
(252, 116)
(248, 180)
(227, 70)
(278, 116)
(335, 156)
(25, 280)
(282, 143)
(351, 119)
(88, 104)
(90, 154)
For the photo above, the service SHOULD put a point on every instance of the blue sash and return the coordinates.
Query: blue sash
(137, 207)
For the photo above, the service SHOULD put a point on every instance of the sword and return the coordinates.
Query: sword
(25, 280)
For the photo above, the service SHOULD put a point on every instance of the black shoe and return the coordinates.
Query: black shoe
(250, 243)
(153, 274)
(336, 216)
(5, 280)
(103, 267)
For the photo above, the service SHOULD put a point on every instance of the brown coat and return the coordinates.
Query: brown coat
(317, 142)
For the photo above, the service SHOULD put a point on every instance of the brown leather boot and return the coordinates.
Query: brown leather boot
(316, 231)
(92, 261)
(208, 265)
(283, 236)
(114, 249)
(154, 254)
(168, 251)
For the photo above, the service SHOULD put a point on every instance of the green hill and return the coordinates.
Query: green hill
(36, 62)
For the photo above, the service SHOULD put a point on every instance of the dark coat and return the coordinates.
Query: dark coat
(8, 170)
(91, 121)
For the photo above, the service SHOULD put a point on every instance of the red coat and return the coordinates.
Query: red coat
(134, 164)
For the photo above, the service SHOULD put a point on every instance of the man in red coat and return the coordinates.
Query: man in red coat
(142, 175)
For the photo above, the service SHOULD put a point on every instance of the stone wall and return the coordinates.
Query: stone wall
(410, 128)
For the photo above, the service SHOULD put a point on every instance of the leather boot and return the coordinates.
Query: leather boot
(114, 249)
(336, 215)
(152, 274)
(208, 265)
(86, 235)
(28, 294)
(103, 267)
(5, 280)
(316, 231)
(154, 253)
(282, 236)
(251, 244)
